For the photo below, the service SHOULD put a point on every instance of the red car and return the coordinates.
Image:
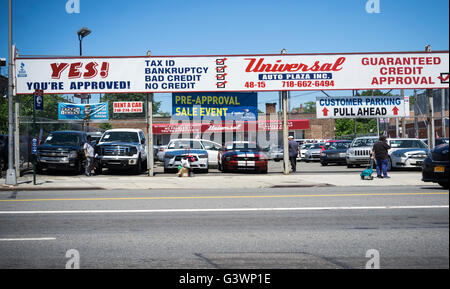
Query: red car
(243, 156)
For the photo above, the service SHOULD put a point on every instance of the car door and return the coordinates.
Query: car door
(213, 152)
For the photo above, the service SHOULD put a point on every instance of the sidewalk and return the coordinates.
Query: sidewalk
(244, 181)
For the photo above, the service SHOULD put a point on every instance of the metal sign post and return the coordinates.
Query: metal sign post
(38, 105)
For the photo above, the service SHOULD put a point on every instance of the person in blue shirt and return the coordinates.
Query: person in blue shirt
(293, 153)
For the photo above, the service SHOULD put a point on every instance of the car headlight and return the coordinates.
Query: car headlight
(351, 153)
(133, 150)
(168, 156)
(398, 155)
(73, 154)
(324, 154)
(205, 156)
(227, 159)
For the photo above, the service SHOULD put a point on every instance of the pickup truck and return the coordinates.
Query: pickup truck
(62, 150)
(121, 149)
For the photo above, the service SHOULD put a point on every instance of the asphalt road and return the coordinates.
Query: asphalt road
(324, 227)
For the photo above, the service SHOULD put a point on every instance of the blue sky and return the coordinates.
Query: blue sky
(202, 27)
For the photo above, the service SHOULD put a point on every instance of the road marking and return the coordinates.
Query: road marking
(27, 239)
(225, 210)
(218, 197)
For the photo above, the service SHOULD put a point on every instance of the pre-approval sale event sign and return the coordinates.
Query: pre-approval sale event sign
(399, 70)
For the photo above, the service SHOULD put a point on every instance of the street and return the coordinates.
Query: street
(270, 228)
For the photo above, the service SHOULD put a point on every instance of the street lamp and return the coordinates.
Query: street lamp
(83, 32)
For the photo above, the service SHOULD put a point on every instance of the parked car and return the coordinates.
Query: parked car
(313, 153)
(62, 150)
(122, 149)
(335, 152)
(360, 151)
(96, 136)
(435, 167)
(437, 141)
(3, 152)
(275, 153)
(173, 159)
(243, 156)
(407, 153)
(198, 144)
(303, 149)
(160, 153)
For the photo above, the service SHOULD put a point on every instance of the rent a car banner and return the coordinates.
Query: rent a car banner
(362, 107)
(392, 70)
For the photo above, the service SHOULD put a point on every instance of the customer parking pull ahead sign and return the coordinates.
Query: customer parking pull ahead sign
(169, 74)
(362, 107)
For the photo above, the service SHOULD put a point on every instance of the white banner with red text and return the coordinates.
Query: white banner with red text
(169, 74)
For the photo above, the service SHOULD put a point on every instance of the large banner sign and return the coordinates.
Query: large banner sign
(91, 112)
(348, 71)
(226, 105)
(362, 107)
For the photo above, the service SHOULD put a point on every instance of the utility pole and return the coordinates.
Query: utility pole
(443, 126)
(402, 93)
(16, 119)
(431, 136)
(11, 177)
(416, 112)
(150, 154)
(285, 129)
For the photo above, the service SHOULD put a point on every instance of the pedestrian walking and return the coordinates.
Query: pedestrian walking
(293, 153)
(381, 156)
(89, 154)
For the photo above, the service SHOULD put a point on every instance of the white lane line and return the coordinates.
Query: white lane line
(225, 210)
(27, 239)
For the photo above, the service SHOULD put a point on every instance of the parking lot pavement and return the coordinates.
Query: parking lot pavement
(308, 174)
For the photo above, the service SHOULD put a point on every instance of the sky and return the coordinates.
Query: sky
(212, 27)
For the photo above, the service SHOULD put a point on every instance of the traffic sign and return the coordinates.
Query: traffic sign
(38, 99)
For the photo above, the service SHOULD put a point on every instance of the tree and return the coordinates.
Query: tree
(363, 125)
(310, 107)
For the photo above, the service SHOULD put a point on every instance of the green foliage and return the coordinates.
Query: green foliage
(310, 107)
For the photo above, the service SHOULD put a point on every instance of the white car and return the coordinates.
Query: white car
(303, 149)
(174, 158)
(212, 148)
(407, 153)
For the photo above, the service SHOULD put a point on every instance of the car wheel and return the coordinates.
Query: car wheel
(98, 169)
(349, 166)
(324, 164)
(444, 185)
(138, 167)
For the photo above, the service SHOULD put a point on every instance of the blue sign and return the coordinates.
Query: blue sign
(34, 146)
(39, 100)
(239, 106)
(71, 111)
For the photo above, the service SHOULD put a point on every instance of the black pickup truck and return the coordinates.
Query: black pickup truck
(62, 150)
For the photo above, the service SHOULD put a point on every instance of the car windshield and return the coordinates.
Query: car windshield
(317, 146)
(63, 139)
(306, 146)
(242, 147)
(364, 142)
(120, 136)
(338, 146)
(410, 143)
(185, 144)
